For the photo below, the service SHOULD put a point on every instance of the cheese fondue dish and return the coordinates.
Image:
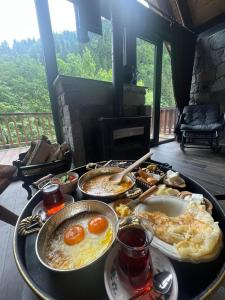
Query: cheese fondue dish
(102, 185)
(79, 241)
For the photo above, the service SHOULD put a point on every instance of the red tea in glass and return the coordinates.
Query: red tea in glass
(134, 256)
(53, 199)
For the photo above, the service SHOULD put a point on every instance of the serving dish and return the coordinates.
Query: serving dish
(66, 187)
(173, 207)
(104, 171)
(116, 290)
(61, 286)
(69, 214)
(40, 210)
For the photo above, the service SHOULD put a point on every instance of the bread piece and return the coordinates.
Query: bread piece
(29, 153)
(40, 153)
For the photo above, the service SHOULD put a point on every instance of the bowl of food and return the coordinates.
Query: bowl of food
(96, 183)
(75, 237)
(67, 181)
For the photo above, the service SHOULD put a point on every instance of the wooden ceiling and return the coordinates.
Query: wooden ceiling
(198, 15)
(204, 10)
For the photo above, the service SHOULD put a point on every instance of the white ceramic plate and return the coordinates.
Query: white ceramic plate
(172, 206)
(115, 288)
(40, 210)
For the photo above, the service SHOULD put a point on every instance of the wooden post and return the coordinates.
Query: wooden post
(45, 28)
(157, 90)
(117, 58)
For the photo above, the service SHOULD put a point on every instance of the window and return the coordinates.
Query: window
(167, 103)
(91, 60)
(146, 73)
(146, 68)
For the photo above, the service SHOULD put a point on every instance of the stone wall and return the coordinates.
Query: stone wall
(208, 81)
(81, 102)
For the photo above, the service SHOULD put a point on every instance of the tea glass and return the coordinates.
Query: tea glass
(134, 258)
(53, 199)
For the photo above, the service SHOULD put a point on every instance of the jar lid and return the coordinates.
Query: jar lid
(51, 188)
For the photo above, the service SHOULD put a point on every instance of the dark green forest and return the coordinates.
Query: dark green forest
(23, 86)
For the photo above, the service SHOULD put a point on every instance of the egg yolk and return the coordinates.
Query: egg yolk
(74, 234)
(97, 225)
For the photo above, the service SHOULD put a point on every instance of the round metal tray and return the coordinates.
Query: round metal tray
(195, 281)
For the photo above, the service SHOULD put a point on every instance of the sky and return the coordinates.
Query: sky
(18, 19)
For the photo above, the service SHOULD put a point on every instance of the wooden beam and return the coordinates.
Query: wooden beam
(145, 20)
(185, 13)
(117, 58)
(213, 25)
(45, 29)
(166, 7)
(157, 91)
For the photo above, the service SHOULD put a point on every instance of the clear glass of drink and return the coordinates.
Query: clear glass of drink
(134, 258)
(53, 199)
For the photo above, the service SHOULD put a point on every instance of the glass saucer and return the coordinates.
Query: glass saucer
(117, 290)
(40, 210)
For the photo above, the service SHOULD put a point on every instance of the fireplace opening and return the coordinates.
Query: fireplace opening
(124, 138)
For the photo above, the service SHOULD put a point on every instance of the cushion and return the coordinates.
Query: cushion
(202, 127)
(7, 171)
(201, 114)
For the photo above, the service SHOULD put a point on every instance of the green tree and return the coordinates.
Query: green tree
(23, 85)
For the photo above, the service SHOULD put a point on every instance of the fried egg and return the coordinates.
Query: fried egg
(79, 241)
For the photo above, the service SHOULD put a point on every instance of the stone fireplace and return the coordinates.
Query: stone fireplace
(81, 103)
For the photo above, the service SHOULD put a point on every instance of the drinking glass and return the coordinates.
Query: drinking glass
(53, 199)
(134, 259)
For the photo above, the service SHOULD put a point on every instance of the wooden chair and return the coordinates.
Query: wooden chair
(201, 126)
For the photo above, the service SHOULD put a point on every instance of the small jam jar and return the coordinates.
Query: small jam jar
(53, 199)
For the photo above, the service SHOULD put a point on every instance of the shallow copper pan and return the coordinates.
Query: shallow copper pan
(71, 211)
(99, 171)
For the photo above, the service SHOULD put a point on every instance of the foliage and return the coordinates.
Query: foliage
(23, 85)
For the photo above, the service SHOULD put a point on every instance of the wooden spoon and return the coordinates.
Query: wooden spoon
(142, 197)
(117, 178)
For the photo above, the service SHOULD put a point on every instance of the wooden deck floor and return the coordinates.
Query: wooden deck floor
(203, 166)
(7, 156)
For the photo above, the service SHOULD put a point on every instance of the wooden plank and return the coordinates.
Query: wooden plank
(8, 129)
(185, 13)
(45, 28)
(203, 166)
(16, 129)
(24, 129)
(213, 25)
(117, 52)
(204, 10)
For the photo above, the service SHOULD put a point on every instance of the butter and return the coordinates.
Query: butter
(172, 176)
(197, 198)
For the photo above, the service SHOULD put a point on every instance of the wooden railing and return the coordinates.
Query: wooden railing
(19, 129)
(167, 121)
